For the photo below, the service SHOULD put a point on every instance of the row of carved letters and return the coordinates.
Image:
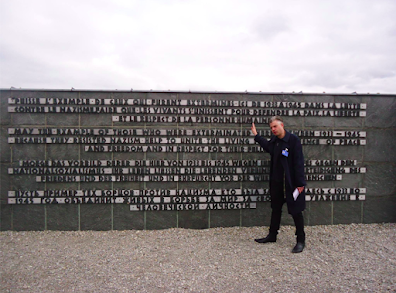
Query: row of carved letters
(172, 163)
(222, 116)
(175, 178)
(171, 170)
(179, 102)
(207, 203)
(173, 140)
(174, 192)
(177, 132)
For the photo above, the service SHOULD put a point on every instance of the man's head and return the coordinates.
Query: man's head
(277, 127)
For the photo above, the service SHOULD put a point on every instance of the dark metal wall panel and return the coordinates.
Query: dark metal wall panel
(348, 143)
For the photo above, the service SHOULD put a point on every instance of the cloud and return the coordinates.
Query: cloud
(199, 45)
(270, 25)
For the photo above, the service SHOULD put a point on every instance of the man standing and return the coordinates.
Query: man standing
(286, 178)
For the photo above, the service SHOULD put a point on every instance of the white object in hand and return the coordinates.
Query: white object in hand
(295, 193)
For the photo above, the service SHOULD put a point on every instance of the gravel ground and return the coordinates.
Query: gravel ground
(340, 258)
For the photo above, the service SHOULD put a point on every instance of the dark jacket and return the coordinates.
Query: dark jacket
(293, 165)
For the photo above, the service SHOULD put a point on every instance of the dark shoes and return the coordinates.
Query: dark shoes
(299, 247)
(269, 238)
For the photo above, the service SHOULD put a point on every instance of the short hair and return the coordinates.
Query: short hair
(275, 118)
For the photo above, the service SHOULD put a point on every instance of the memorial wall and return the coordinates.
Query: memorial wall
(104, 160)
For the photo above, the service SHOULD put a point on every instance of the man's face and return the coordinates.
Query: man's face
(277, 128)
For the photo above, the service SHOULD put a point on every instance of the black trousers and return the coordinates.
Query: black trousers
(277, 201)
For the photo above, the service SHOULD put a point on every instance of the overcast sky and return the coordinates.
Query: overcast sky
(338, 46)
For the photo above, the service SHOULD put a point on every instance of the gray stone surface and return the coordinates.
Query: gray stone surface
(378, 156)
(381, 112)
(63, 152)
(96, 95)
(319, 121)
(6, 217)
(95, 217)
(380, 179)
(96, 185)
(320, 213)
(161, 220)
(224, 218)
(321, 184)
(61, 186)
(5, 147)
(349, 180)
(28, 217)
(347, 212)
(128, 156)
(349, 153)
(320, 152)
(161, 185)
(5, 117)
(194, 185)
(294, 123)
(62, 217)
(61, 120)
(34, 151)
(126, 95)
(94, 155)
(227, 185)
(96, 120)
(197, 219)
(124, 219)
(379, 209)
(161, 156)
(21, 183)
(259, 216)
(381, 147)
(28, 119)
(128, 185)
(4, 182)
